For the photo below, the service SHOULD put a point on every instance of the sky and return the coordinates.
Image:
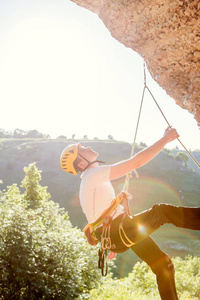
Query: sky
(62, 73)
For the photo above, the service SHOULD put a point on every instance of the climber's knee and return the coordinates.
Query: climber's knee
(159, 216)
(164, 267)
(165, 276)
(159, 208)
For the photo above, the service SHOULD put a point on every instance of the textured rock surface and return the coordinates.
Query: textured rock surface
(166, 34)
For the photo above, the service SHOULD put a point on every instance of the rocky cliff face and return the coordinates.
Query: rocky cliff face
(166, 34)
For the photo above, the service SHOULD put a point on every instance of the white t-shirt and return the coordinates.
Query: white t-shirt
(96, 193)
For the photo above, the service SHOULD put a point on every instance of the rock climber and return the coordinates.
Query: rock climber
(96, 194)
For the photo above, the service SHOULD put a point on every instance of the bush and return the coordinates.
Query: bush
(171, 155)
(141, 283)
(166, 150)
(182, 157)
(41, 255)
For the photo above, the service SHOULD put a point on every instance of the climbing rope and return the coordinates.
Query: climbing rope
(128, 176)
(170, 126)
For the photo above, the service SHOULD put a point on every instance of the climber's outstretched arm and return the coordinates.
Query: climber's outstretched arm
(143, 157)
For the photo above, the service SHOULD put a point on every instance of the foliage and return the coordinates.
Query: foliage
(166, 150)
(110, 137)
(34, 192)
(181, 156)
(41, 255)
(171, 155)
(143, 145)
(141, 283)
(161, 181)
(188, 277)
(62, 137)
(19, 133)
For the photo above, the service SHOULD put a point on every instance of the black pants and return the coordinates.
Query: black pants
(138, 229)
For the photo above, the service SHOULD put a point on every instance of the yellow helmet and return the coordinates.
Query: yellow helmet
(68, 157)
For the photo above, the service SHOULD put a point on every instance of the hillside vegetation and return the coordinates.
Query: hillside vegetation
(162, 180)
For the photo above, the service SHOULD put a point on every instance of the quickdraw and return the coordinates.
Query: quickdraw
(105, 236)
(103, 265)
(105, 245)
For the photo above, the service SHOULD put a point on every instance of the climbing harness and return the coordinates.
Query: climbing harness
(123, 236)
(89, 230)
(106, 217)
(105, 220)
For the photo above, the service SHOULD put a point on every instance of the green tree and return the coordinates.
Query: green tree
(34, 194)
(2, 133)
(41, 255)
(182, 157)
(110, 137)
(143, 144)
(19, 133)
(62, 137)
(166, 150)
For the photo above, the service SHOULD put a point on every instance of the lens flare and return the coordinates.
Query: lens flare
(147, 191)
(142, 229)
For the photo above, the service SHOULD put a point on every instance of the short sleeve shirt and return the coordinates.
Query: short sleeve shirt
(96, 193)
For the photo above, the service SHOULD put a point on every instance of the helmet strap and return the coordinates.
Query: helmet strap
(90, 163)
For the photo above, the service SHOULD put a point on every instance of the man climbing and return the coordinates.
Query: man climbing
(96, 195)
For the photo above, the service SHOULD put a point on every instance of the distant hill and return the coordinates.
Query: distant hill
(164, 179)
